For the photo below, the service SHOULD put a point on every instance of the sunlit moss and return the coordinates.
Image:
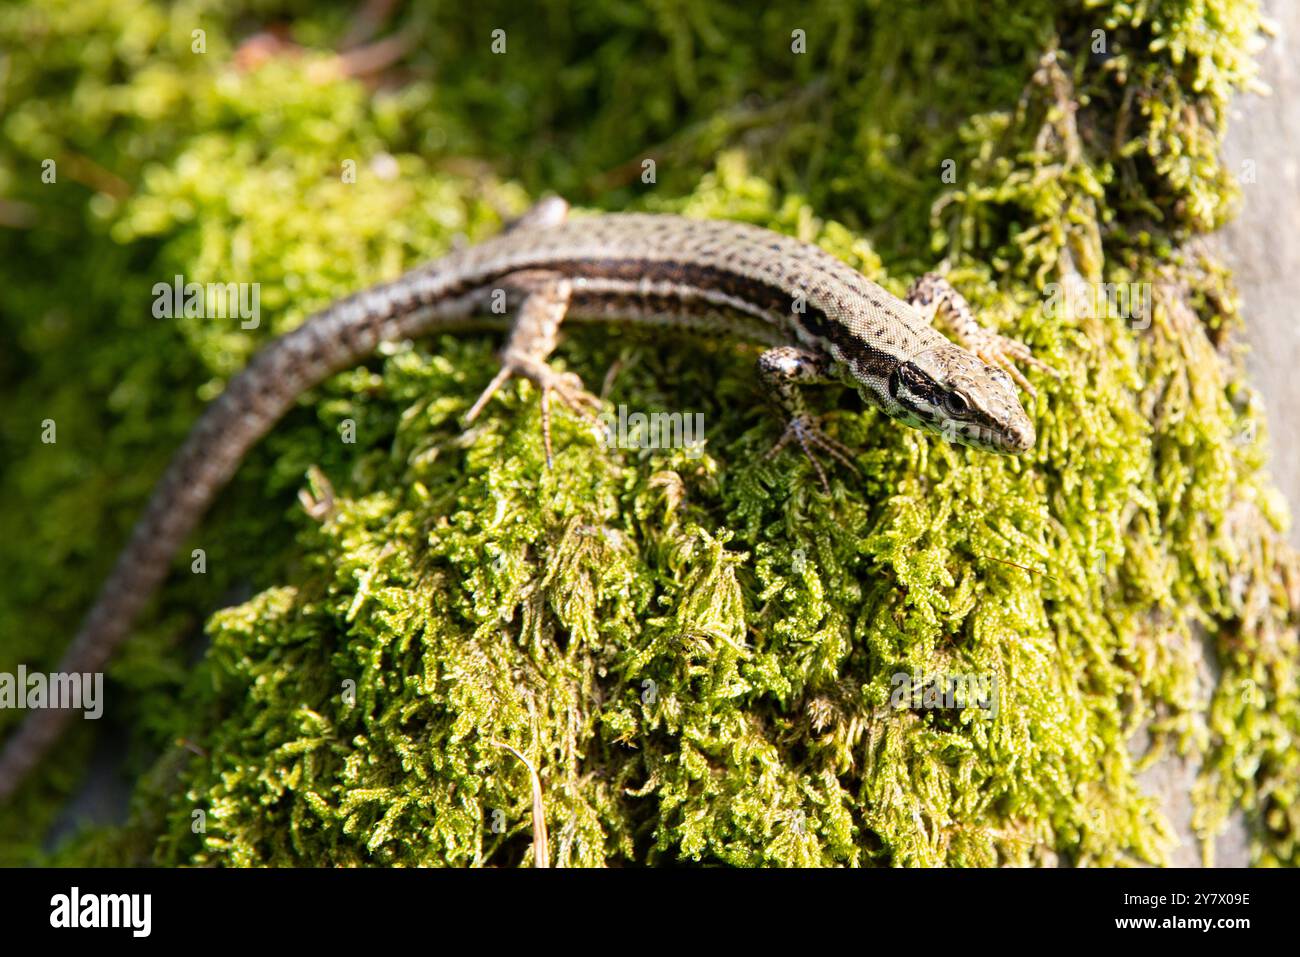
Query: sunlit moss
(696, 652)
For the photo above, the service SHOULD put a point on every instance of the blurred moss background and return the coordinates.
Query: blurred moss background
(695, 653)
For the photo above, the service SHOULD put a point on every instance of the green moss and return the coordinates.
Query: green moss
(696, 652)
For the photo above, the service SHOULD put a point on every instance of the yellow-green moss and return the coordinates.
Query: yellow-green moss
(696, 653)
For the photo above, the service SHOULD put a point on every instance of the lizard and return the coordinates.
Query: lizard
(822, 322)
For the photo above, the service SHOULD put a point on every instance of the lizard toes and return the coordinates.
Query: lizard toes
(804, 430)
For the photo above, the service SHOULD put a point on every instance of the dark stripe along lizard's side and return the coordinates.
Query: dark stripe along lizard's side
(824, 321)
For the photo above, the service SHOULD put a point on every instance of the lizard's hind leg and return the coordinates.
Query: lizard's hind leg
(546, 212)
(533, 337)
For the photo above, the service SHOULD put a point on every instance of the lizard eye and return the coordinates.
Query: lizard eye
(954, 403)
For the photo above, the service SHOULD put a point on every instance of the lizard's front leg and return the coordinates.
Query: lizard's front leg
(783, 370)
(937, 300)
(533, 337)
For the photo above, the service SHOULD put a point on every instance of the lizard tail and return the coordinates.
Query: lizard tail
(252, 403)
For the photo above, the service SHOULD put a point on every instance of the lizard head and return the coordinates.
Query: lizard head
(947, 390)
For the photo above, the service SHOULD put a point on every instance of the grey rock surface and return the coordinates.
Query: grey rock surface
(1262, 246)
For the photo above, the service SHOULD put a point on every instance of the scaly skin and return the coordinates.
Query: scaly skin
(824, 320)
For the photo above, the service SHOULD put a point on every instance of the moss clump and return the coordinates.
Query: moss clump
(696, 653)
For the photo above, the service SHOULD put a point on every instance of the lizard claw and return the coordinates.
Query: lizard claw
(805, 430)
(936, 297)
(566, 385)
(1003, 352)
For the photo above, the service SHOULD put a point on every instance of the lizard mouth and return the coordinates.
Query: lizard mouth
(1016, 439)
(1012, 440)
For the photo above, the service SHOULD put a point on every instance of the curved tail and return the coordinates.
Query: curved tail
(251, 404)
